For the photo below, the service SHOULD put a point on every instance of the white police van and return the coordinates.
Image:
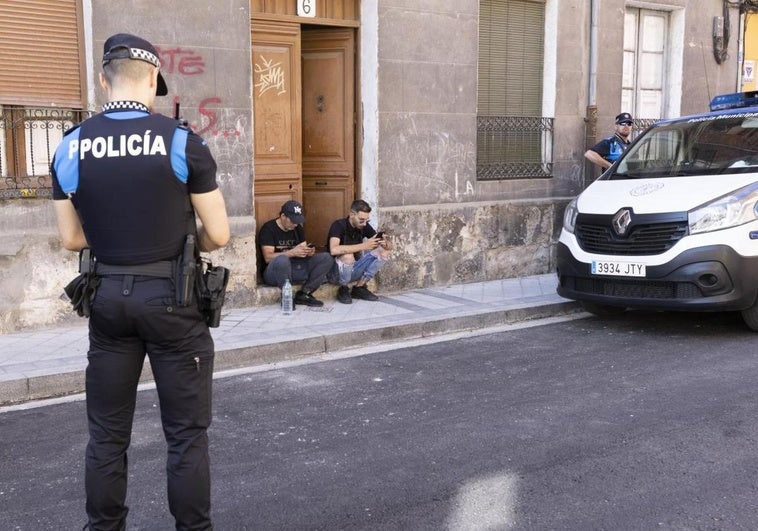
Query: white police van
(673, 224)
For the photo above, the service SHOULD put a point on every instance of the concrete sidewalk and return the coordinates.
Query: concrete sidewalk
(51, 362)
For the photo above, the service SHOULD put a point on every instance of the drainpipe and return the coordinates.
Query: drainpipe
(590, 118)
(741, 49)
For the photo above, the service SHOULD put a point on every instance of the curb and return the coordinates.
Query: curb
(308, 344)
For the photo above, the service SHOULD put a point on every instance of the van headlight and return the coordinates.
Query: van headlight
(569, 216)
(737, 208)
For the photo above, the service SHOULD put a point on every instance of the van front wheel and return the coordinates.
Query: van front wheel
(750, 316)
(602, 310)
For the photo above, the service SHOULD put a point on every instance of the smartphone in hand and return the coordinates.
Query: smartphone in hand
(380, 235)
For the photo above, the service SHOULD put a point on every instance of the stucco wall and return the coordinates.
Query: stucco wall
(427, 76)
(448, 227)
(703, 77)
(571, 95)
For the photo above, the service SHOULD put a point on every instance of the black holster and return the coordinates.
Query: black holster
(211, 290)
(198, 280)
(81, 291)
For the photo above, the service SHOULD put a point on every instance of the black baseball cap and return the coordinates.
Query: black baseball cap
(294, 211)
(624, 118)
(127, 46)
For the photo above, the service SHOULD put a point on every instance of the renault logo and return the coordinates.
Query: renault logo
(621, 221)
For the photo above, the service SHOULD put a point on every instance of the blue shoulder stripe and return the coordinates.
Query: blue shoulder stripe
(67, 162)
(179, 154)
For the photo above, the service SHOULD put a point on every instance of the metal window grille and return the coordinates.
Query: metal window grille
(640, 124)
(514, 147)
(28, 139)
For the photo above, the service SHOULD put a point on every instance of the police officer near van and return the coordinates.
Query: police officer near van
(610, 148)
(126, 185)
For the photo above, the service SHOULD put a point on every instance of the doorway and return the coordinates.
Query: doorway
(304, 112)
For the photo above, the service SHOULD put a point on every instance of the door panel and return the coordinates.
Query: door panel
(323, 196)
(276, 110)
(271, 194)
(324, 106)
(328, 128)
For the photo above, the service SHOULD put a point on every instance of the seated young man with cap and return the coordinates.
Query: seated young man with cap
(610, 148)
(288, 256)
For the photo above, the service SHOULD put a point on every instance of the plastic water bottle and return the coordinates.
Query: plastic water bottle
(287, 297)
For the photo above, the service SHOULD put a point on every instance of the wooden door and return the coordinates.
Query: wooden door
(328, 115)
(276, 110)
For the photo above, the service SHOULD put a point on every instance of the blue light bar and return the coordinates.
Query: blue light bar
(734, 101)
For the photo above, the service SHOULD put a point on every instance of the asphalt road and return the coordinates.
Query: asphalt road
(647, 421)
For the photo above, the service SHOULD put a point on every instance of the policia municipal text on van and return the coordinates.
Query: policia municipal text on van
(126, 186)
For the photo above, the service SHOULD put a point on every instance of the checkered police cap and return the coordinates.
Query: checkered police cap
(126, 46)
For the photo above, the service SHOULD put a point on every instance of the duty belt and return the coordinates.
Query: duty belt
(164, 269)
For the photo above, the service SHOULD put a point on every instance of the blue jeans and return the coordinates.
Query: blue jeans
(310, 271)
(364, 268)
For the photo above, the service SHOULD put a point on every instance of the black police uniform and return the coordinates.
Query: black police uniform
(611, 147)
(129, 173)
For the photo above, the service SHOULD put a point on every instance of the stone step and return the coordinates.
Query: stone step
(326, 292)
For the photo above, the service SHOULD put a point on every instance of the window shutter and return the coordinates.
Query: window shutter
(40, 58)
(510, 57)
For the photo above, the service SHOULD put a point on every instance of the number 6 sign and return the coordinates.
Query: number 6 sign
(306, 8)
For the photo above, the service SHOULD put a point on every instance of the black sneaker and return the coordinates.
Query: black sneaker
(362, 292)
(343, 295)
(307, 299)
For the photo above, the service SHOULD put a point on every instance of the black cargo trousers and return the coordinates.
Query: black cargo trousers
(132, 316)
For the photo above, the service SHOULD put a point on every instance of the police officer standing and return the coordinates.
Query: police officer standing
(121, 183)
(610, 148)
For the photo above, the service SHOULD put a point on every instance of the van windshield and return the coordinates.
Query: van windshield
(706, 145)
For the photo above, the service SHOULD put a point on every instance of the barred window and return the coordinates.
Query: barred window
(41, 89)
(28, 138)
(514, 140)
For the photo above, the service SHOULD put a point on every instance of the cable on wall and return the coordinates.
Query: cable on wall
(721, 34)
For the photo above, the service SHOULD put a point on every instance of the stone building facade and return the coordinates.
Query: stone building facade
(416, 122)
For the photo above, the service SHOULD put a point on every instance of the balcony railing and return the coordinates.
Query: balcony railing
(514, 147)
(28, 139)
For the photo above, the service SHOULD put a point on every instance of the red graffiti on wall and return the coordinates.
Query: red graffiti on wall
(181, 61)
(207, 109)
(210, 114)
(186, 62)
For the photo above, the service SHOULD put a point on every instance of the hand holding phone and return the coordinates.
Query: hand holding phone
(380, 235)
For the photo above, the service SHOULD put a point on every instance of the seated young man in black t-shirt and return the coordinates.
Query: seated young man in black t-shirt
(288, 256)
(359, 252)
